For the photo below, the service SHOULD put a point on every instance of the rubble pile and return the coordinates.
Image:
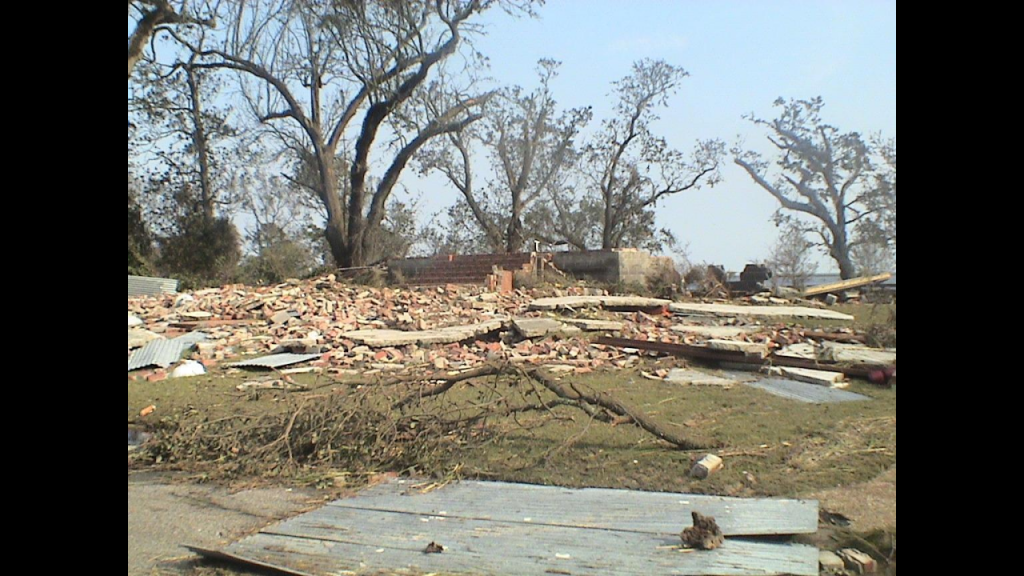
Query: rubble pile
(361, 330)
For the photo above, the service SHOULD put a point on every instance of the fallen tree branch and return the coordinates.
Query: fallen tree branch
(615, 407)
(443, 384)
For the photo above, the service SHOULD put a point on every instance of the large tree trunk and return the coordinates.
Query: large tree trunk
(337, 226)
(199, 141)
(840, 252)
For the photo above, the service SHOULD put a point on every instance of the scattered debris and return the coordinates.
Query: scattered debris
(833, 519)
(704, 535)
(133, 322)
(286, 385)
(840, 287)
(858, 562)
(707, 466)
(189, 369)
(434, 548)
(275, 361)
(735, 360)
(147, 411)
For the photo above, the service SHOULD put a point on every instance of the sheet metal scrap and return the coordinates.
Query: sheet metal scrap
(163, 353)
(275, 361)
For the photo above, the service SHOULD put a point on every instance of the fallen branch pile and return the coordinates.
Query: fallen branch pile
(402, 425)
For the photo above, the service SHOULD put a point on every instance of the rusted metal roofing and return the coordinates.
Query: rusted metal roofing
(141, 286)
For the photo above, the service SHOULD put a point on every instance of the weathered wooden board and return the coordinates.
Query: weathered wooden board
(516, 530)
(622, 510)
(807, 393)
(340, 540)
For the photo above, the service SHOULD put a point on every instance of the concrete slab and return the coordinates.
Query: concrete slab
(716, 332)
(393, 338)
(698, 378)
(757, 350)
(541, 327)
(137, 338)
(613, 302)
(595, 325)
(806, 393)
(769, 312)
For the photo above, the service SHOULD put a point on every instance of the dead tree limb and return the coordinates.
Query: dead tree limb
(442, 385)
(615, 407)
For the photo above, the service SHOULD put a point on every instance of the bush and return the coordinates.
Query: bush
(202, 253)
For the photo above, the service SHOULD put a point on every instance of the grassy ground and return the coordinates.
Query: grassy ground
(772, 446)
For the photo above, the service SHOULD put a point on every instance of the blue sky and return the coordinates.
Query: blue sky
(742, 55)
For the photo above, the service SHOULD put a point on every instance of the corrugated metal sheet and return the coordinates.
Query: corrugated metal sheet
(275, 361)
(163, 353)
(141, 286)
(509, 529)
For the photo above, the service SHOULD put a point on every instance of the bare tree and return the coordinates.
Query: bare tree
(151, 15)
(826, 175)
(323, 76)
(529, 146)
(792, 258)
(627, 169)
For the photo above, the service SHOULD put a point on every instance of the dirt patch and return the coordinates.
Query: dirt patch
(870, 506)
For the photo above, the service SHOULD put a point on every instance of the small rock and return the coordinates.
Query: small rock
(831, 563)
(434, 548)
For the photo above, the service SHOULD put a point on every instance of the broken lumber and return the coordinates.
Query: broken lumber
(839, 287)
(766, 312)
(706, 354)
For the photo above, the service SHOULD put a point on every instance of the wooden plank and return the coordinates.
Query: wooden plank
(846, 285)
(766, 312)
(340, 541)
(615, 510)
(807, 393)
